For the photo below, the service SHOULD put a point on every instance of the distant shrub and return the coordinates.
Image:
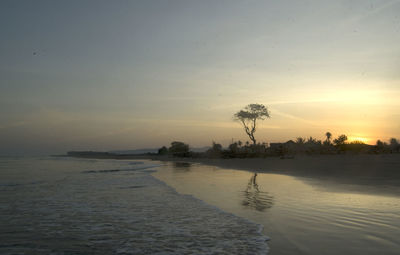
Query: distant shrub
(357, 147)
(340, 143)
(394, 145)
(179, 149)
(163, 151)
(215, 151)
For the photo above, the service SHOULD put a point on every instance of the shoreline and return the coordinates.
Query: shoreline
(301, 215)
(373, 174)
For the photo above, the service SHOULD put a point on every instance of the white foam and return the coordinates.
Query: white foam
(101, 214)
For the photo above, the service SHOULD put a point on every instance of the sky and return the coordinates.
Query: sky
(107, 75)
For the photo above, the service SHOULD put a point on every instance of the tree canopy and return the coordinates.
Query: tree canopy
(249, 115)
(178, 148)
(340, 140)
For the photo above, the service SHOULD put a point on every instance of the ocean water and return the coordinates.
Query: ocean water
(86, 206)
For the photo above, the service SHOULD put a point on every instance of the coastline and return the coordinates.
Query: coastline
(301, 215)
(374, 174)
(364, 173)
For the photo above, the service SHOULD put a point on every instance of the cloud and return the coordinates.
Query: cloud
(290, 116)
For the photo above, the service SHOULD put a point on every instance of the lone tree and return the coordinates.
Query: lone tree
(341, 140)
(179, 149)
(249, 116)
(328, 137)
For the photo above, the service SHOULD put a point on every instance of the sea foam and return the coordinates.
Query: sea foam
(117, 212)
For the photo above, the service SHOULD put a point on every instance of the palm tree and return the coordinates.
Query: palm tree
(328, 137)
(311, 140)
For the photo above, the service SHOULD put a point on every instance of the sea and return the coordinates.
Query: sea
(61, 205)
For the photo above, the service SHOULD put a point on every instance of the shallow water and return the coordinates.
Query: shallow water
(80, 206)
(298, 217)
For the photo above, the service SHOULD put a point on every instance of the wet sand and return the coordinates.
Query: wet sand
(302, 215)
(373, 174)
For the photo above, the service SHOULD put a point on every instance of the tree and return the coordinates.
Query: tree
(340, 143)
(379, 144)
(215, 150)
(394, 144)
(249, 116)
(311, 140)
(216, 146)
(179, 149)
(233, 147)
(340, 140)
(163, 151)
(328, 137)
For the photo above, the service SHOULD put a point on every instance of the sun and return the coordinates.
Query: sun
(358, 138)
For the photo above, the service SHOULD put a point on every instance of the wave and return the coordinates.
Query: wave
(118, 214)
(117, 170)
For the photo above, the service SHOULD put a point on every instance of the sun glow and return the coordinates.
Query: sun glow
(358, 138)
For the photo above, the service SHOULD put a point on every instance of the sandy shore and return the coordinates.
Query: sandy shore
(362, 173)
(302, 210)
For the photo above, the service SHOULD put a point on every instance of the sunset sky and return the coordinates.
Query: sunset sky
(105, 75)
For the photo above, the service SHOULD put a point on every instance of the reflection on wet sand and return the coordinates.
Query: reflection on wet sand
(256, 199)
(182, 166)
(300, 218)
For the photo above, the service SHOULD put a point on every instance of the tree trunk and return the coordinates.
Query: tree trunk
(253, 139)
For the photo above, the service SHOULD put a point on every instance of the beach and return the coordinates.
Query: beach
(374, 174)
(201, 206)
(303, 211)
(200, 127)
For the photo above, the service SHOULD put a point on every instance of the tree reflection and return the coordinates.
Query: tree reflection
(254, 198)
(181, 166)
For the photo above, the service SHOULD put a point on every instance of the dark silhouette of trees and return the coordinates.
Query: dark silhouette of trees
(163, 151)
(357, 147)
(249, 116)
(340, 140)
(234, 147)
(394, 145)
(179, 149)
(216, 147)
(381, 147)
(286, 150)
(340, 143)
(328, 137)
(311, 140)
(300, 140)
(313, 145)
(327, 146)
(300, 144)
(215, 150)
